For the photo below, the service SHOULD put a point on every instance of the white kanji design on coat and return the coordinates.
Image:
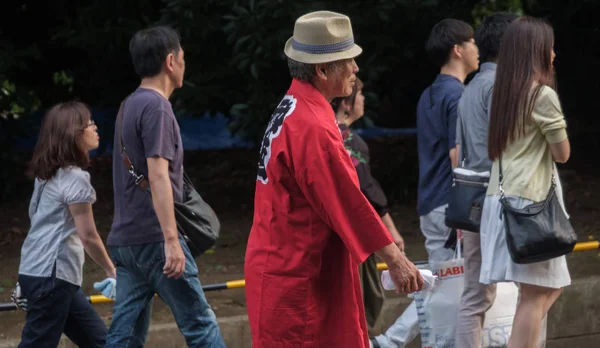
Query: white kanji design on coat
(283, 110)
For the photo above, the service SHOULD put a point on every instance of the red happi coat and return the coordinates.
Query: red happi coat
(312, 228)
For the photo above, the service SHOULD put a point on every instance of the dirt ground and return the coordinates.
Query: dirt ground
(226, 180)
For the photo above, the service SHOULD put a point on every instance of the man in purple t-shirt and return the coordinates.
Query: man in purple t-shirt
(149, 254)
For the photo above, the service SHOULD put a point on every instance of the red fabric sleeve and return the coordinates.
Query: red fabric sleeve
(330, 184)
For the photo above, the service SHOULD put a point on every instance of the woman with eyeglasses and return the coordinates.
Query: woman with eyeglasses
(348, 110)
(62, 227)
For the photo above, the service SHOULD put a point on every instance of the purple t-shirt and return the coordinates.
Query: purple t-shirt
(149, 130)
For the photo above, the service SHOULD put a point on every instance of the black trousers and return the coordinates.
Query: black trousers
(55, 306)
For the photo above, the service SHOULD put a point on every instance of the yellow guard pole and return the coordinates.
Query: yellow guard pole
(235, 284)
(581, 246)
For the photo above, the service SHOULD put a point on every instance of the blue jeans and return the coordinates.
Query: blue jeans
(56, 306)
(139, 277)
(406, 327)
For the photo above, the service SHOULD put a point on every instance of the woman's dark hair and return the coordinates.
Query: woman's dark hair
(444, 36)
(59, 142)
(358, 85)
(525, 59)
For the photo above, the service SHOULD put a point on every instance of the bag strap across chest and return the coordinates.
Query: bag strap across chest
(140, 180)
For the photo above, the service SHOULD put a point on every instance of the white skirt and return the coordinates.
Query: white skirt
(496, 263)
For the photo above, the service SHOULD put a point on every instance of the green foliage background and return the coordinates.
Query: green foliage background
(235, 62)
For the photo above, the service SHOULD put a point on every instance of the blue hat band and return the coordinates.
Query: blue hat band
(323, 49)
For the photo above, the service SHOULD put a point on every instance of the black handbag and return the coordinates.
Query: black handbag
(466, 198)
(196, 220)
(538, 232)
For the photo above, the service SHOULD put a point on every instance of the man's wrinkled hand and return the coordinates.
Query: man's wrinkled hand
(406, 276)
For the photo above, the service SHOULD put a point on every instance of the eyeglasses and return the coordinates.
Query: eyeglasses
(91, 123)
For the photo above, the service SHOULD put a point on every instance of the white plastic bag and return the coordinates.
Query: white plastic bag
(437, 309)
(499, 318)
(428, 280)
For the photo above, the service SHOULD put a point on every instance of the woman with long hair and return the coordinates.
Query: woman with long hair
(62, 226)
(348, 110)
(527, 134)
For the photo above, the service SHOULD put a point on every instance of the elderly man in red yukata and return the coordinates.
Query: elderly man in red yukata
(312, 224)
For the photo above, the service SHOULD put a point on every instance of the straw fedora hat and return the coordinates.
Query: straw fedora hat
(322, 37)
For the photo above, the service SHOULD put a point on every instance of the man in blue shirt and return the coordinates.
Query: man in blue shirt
(452, 48)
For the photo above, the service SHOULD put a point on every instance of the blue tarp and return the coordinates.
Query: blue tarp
(375, 132)
(208, 133)
(197, 133)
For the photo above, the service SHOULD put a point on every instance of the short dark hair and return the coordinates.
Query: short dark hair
(150, 47)
(59, 142)
(444, 36)
(489, 34)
